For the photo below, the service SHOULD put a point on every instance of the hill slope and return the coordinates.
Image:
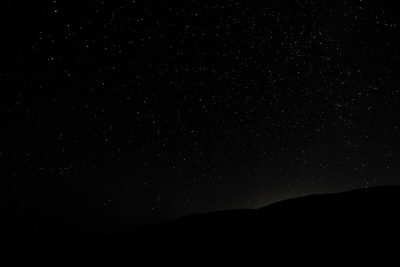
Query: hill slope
(355, 217)
(372, 210)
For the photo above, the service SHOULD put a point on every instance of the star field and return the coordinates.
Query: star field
(156, 108)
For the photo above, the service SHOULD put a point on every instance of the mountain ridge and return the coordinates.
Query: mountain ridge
(355, 216)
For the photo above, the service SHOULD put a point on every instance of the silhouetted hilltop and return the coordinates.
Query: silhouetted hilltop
(372, 211)
(357, 215)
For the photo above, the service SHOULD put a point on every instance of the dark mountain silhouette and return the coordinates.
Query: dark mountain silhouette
(356, 216)
(368, 212)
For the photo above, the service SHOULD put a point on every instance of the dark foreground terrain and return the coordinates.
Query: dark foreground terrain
(366, 216)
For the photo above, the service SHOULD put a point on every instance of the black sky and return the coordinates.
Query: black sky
(162, 108)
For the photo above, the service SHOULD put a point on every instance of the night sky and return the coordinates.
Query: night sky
(156, 109)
